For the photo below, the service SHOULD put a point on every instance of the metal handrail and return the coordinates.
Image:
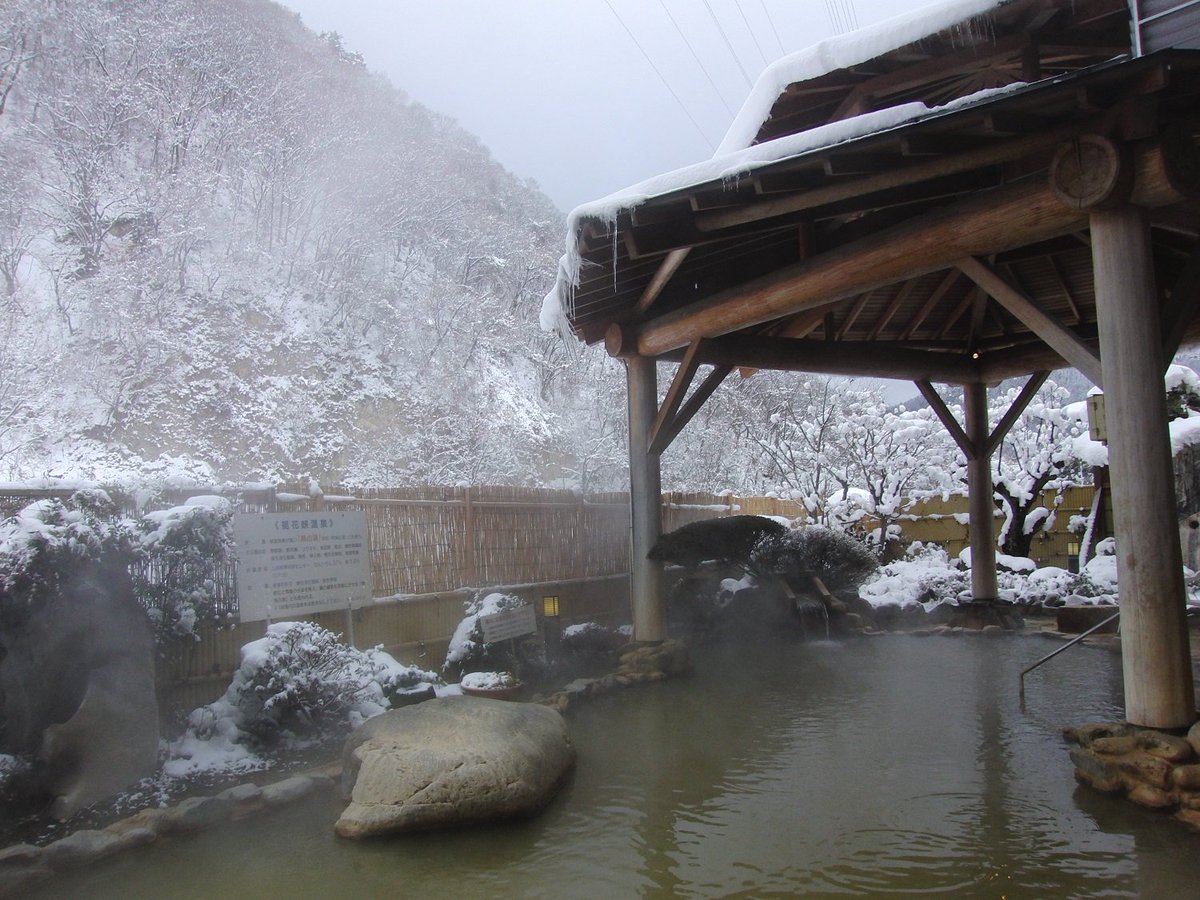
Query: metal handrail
(1071, 643)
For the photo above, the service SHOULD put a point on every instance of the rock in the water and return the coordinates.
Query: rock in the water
(727, 539)
(452, 761)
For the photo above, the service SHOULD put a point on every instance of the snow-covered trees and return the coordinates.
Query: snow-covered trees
(241, 248)
(1035, 456)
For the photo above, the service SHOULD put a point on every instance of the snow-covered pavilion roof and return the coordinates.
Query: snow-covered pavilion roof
(846, 50)
(852, 137)
(738, 154)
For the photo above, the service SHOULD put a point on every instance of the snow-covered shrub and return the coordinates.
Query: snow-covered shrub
(469, 652)
(835, 557)
(591, 639)
(300, 681)
(186, 557)
(395, 678)
(926, 576)
(49, 541)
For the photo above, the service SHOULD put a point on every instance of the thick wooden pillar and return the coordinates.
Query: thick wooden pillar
(645, 497)
(1154, 638)
(981, 505)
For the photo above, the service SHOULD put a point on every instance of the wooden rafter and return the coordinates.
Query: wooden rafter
(1067, 293)
(852, 316)
(666, 270)
(890, 310)
(947, 282)
(1068, 344)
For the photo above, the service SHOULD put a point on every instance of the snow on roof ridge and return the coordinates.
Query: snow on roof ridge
(840, 52)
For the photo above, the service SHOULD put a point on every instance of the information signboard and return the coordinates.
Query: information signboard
(508, 623)
(294, 564)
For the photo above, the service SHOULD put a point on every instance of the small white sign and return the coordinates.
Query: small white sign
(294, 564)
(508, 623)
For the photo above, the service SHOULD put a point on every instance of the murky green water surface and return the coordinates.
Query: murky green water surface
(882, 767)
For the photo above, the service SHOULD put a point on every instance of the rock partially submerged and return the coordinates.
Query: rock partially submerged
(452, 761)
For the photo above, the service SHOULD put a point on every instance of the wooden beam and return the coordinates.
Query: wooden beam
(666, 269)
(675, 393)
(1068, 344)
(987, 223)
(1028, 392)
(705, 390)
(942, 411)
(859, 358)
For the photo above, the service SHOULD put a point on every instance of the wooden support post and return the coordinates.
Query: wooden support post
(981, 505)
(1154, 639)
(645, 497)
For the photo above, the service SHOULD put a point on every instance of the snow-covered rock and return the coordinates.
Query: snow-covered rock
(452, 761)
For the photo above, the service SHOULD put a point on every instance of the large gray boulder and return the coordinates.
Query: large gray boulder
(452, 761)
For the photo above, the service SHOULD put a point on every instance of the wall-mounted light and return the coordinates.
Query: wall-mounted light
(550, 606)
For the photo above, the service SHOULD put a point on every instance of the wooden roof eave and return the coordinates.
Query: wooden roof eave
(985, 224)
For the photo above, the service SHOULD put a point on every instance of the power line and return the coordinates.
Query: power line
(753, 36)
(771, 22)
(696, 56)
(728, 43)
(660, 75)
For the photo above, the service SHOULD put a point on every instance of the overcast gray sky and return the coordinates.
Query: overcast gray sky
(586, 96)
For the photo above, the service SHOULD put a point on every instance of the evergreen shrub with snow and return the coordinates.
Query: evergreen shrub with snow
(300, 682)
(186, 560)
(47, 542)
(591, 639)
(840, 561)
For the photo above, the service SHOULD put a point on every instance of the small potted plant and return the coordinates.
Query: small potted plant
(496, 685)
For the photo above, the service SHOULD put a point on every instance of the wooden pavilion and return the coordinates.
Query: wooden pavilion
(987, 189)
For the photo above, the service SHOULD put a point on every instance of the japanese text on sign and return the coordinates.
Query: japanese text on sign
(291, 564)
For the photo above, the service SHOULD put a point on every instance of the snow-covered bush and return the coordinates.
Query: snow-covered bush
(49, 541)
(179, 559)
(469, 652)
(186, 557)
(299, 681)
(835, 557)
(927, 576)
(591, 639)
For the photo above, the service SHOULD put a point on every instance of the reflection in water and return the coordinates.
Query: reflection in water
(881, 767)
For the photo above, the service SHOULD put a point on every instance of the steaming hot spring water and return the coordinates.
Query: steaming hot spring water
(877, 767)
